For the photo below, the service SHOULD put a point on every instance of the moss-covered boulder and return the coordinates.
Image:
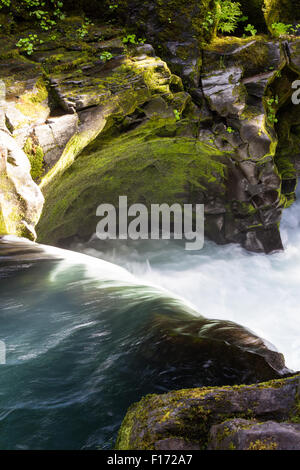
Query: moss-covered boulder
(150, 164)
(189, 416)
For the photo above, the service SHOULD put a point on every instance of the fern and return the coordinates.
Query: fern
(228, 15)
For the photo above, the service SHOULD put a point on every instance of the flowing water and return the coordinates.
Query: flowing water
(260, 292)
(85, 338)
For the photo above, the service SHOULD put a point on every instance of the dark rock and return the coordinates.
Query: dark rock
(145, 49)
(191, 414)
(176, 444)
(241, 434)
(294, 55)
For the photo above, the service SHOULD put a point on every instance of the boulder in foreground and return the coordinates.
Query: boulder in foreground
(265, 415)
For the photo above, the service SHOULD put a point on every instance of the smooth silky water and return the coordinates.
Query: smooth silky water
(78, 331)
(226, 282)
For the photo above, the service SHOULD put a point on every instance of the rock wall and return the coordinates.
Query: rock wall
(99, 116)
(21, 200)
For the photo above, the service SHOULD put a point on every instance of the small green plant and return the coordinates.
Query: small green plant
(106, 56)
(45, 18)
(272, 103)
(230, 130)
(52, 37)
(132, 39)
(280, 29)
(83, 31)
(250, 29)
(29, 43)
(228, 15)
(4, 3)
(176, 114)
(295, 29)
(209, 21)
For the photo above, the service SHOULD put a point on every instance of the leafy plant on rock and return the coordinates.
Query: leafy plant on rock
(44, 12)
(83, 31)
(280, 29)
(106, 56)
(250, 29)
(176, 114)
(132, 39)
(28, 44)
(271, 109)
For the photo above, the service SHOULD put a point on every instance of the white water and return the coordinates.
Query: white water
(258, 291)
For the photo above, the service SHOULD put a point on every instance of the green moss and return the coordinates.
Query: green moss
(11, 210)
(223, 43)
(180, 413)
(255, 57)
(266, 444)
(34, 103)
(35, 155)
(3, 228)
(143, 164)
(295, 414)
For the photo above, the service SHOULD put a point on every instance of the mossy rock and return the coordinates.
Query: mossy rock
(35, 156)
(287, 157)
(189, 414)
(21, 200)
(241, 434)
(169, 20)
(149, 164)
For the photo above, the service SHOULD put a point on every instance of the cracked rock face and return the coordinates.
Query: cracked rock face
(239, 84)
(128, 125)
